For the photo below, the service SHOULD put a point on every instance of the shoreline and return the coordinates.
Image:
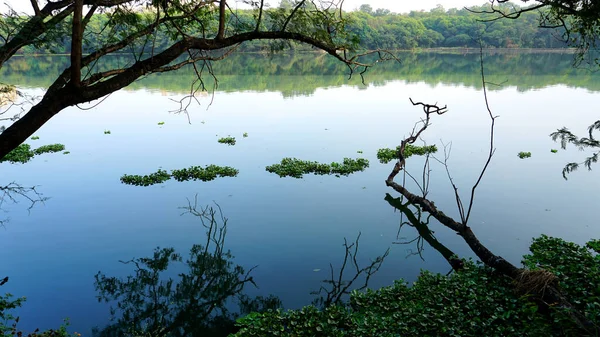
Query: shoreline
(441, 50)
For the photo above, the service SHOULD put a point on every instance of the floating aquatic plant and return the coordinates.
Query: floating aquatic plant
(107, 132)
(23, 152)
(524, 155)
(207, 173)
(245, 135)
(293, 167)
(227, 140)
(161, 123)
(157, 177)
(49, 149)
(387, 155)
(35, 138)
(554, 150)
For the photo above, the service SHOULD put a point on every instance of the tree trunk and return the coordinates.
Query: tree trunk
(37, 116)
(76, 44)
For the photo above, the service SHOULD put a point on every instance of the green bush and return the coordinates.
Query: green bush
(524, 155)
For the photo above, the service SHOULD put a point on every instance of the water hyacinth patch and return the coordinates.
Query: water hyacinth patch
(49, 149)
(293, 167)
(227, 140)
(524, 155)
(207, 173)
(157, 177)
(386, 155)
(23, 153)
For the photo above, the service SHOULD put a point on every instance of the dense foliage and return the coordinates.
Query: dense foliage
(386, 155)
(372, 29)
(23, 153)
(227, 140)
(296, 168)
(208, 173)
(473, 302)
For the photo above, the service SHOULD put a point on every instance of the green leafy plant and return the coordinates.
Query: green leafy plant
(107, 132)
(23, 153)
(554, 150)
(66, 152)
(161, 123)
(245, 135)
(293, 167)
(473, 302)
(227, 140)
(524, 155)
(49, 149)
(35, 138)
(157, 177)
(386, 155)
(207, 173)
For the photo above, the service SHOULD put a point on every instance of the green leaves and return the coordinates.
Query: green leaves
(386, 155)
(473, 302)
(227, 140)
(524, 155)
(157, 177)
(208, 173)
(23, 153)
(296, 168)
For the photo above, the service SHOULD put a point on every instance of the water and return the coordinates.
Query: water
(291, 106)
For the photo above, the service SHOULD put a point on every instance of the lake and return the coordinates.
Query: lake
(301, 106)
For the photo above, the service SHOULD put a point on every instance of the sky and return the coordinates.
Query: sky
(398, 6)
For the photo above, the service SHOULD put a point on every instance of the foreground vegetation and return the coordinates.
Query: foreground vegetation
(473, 302)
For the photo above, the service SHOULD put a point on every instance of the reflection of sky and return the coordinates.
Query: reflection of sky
(287, 227)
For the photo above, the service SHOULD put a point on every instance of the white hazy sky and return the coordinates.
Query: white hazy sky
(399, 6)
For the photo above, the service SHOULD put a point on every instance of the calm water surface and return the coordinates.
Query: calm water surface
(290, 106)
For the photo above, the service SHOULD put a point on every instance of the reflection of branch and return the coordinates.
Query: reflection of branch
(13, 192)
(423, 230)
(341, 287)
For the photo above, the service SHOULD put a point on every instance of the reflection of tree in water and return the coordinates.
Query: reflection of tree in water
(197, 303)
(412, 216)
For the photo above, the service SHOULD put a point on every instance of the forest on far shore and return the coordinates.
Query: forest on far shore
(371, 28)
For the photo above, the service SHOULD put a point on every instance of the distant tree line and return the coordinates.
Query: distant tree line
(370, 28)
